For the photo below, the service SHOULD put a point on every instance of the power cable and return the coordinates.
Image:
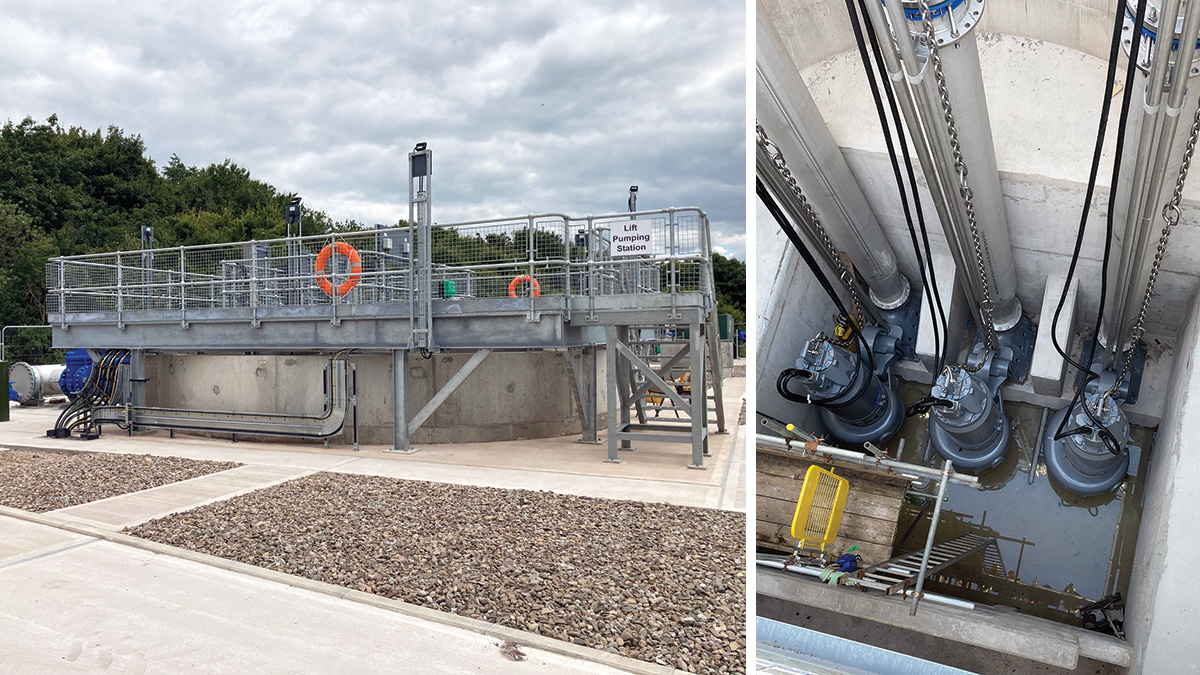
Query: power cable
(928, 282)
(769, 201)
(1110, 441)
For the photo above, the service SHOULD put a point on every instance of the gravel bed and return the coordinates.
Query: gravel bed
(661, 583)
(48, 480)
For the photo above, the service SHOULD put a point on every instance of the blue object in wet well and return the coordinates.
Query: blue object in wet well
(75, 376)
(847, 562)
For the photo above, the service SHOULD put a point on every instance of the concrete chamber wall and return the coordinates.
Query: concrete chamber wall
(512, 395)
(791, 308)
(1043, 71)
(1160, 615)
(816, 30)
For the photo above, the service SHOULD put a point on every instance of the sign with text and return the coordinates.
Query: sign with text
(630, 238)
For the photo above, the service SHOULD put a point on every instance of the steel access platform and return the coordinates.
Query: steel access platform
(547, 281)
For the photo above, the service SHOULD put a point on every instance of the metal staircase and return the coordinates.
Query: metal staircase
(643, 376)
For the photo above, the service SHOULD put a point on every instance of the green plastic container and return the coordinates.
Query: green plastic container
(725, 326)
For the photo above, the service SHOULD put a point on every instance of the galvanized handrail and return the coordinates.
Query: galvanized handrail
(5, 330)
(280, 272)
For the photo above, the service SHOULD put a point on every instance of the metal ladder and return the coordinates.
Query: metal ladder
(900, 573)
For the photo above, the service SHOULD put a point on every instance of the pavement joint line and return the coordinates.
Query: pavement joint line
(341, 464)
(45, 554)
(485, 628)
(737, 431)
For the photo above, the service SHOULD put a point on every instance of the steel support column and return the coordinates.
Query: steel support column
(618, 412)
(400, 402)
(585, 388)
(699, 403)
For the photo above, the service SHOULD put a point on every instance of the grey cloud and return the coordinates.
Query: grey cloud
(533, 106)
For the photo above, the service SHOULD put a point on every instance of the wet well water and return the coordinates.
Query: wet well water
(1055, 551)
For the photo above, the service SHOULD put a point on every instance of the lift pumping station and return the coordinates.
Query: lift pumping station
(523, 291)
(923, 66)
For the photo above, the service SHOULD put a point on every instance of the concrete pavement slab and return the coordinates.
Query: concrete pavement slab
(21, 540)
(156, 613)
(138, 507)
(683, 494)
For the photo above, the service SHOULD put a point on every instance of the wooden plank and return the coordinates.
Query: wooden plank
(869, 518)
(794, 467)
(780, 513)
(858, 501)
(778, 538)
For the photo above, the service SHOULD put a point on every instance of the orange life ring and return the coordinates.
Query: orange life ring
(355, 268)
(512, 285)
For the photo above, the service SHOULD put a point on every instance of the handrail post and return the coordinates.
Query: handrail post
(253, 286)
(182, 288)
(120, 294)
(333, 281)
(531, 253)
(671, 227)
(593, 277)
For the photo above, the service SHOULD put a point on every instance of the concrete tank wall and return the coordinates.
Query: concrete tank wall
(1160, 615)
(512, 395)
(816, 30)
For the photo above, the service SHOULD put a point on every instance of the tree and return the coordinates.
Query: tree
(70, 191)
(729, 277)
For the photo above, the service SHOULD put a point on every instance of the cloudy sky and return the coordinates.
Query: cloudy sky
(529, 106)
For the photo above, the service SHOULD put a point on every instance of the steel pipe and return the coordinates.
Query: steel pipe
(964, 83)
(813, 448)
(810, 572)
(923, 117)
(792, 120)
(1154, 167)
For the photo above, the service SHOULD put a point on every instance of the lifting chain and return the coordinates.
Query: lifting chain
(963, 188)
(844, 274)
(1170, 215)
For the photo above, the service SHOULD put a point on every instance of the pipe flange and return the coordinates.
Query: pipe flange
(904, 294)
(1013, 318)
(1150, 30)
(952, 19)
